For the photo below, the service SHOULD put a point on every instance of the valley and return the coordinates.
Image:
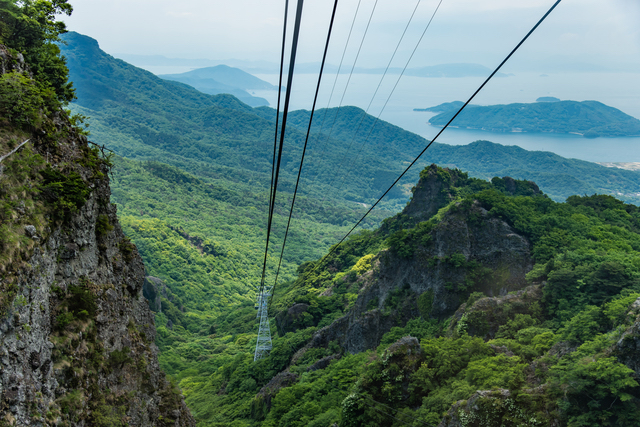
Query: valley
(204, 269)
(493, 286)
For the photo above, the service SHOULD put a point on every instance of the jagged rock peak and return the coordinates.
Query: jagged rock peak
(433, 192)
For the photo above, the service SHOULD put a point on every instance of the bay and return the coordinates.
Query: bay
(619, 90)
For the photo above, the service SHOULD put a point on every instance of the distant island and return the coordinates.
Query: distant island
(547, 99)
(447, 106)
(224, 79)
(590, 119)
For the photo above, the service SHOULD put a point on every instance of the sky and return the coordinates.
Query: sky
(580, 33)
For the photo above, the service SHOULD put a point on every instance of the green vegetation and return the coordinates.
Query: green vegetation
(198, 218)
(548, 358)
(30, 28)
(557, 176)
(223, 141)
(20, 101)
(588, 118)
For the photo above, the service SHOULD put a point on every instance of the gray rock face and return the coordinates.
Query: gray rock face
(153, 290)
(487, 243)
(627, 349)
(77, 341)
(429, 195)
(10, 63)
(30, 231)
(33, 374)
(470, 412)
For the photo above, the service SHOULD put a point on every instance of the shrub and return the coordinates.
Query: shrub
(118, 358)
(82, 302)
(20, 101)
(103, 226)
(65, 193)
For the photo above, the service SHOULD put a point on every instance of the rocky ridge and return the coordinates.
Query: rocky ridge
(466, 250)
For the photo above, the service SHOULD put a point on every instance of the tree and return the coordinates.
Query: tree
(30, 27)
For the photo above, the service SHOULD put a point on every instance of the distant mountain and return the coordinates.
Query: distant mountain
(224, 79)
(265, 67)
(547, 99)
(160, 60)
(589, 118)
(229, 76)
(220, 139)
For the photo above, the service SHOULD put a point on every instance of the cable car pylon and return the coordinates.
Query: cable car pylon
(263, 345)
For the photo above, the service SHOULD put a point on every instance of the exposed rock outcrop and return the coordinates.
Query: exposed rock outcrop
(77, 339)
(154, 289)
(467, 251)
(627, 349)
(486, 315)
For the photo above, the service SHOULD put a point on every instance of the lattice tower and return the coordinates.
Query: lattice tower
(263, 346)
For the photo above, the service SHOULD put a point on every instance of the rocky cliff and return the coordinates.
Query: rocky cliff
(76, 334)
(433, 271)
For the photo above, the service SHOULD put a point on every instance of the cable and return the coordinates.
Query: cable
(389, 97)
(333, 249)
(295, 192)
(13, 151)
(375, 93)
(275, 137)
(292, 63)
(364, 36)
(275, 145)
(335, 81)
(340, 66)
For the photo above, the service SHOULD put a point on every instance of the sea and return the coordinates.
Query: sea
(394, 99)
(619, 90)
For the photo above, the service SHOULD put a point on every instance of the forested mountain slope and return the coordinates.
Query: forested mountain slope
(515, 311)
(199, 225)
(221, 139)
(217, 137)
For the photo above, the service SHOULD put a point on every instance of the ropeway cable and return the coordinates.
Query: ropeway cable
(376, 92)
(333, 249)
(315, 99)
(364, 36)
(292, 62)
(275, 145)
(344, 177)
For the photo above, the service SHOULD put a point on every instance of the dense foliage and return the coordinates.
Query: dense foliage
(589, 118)
(30, 28)
(551, 358)
(218, 138)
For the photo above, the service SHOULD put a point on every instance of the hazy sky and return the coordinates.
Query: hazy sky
(598, 32)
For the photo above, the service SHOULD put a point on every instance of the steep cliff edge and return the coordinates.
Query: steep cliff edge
(76, 334)
(449, 252)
